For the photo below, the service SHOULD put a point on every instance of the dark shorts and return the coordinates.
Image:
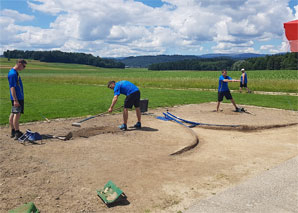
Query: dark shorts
(132, 100)
(226, 94)
(243, 85)
(16, 110)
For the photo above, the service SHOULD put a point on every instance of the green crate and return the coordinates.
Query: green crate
(110, 193)
(26, 208)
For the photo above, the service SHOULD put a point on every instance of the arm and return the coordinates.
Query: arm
(14, 96)
(243, 76)
(232, 80)
(114, 101)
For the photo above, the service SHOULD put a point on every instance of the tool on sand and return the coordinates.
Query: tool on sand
(78, 124)
(63, 138)
(33, 137)
(46, 118)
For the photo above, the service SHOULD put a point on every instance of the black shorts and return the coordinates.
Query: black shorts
(16, 110)
(226, 94)
(243, 85)
(132, 100)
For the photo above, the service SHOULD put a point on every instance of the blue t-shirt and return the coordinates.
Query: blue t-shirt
(14, 80)
(223, 86)
(245, 78)
(125, 88)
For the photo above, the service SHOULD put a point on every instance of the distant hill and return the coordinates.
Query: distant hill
(145, 61)
(233, 55)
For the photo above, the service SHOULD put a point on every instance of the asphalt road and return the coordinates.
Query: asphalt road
(273, 191)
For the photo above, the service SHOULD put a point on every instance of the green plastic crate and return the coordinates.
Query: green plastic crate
(110, 193)
(26, 208)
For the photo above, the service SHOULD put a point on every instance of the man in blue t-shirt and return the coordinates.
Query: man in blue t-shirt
(223, 90)
(16, 97)
(133, 95)
(243, 81)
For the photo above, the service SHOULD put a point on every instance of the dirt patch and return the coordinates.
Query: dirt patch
(88, 132)
(245, 128)
(63, 176)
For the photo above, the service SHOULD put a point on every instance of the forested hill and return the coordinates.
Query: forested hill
(288, 61)
(145, 61)
(64, 57)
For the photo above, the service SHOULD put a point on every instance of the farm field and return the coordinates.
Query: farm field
(56, 90)
(63, 176)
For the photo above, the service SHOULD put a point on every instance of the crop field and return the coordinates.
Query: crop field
(56, 90)
(162, 167)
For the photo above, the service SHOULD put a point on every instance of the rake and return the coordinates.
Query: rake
(79, 123)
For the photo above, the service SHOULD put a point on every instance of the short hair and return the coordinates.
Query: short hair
(21, 61)
(223, 71)
(111, 82)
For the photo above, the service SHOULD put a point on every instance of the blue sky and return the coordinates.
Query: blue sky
(118, 28)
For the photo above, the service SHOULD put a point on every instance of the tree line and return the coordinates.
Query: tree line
(64, 57)
(288, 61)
(145, 61)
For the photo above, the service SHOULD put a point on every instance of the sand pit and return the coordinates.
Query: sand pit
(63, 176)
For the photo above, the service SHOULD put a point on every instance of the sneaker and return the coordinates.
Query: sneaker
(138, 125)
(18, 134)
(238, 109)
(13, 133)
(123, 127)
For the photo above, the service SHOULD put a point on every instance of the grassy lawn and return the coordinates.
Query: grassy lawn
(57, 90)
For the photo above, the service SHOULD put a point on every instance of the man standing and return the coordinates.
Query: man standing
(133, 95)
(223, 90)
(16, 97)
(243, 81)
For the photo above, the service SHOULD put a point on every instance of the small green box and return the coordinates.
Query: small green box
(110, 193)
(26, 208)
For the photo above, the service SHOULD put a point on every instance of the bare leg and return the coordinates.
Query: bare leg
(218, 103)
(240, 90)
(138, 112)
(233, 102)
(125, 115)
(16, 120)
(11, 121)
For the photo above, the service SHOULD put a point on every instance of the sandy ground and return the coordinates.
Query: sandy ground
(63, 176)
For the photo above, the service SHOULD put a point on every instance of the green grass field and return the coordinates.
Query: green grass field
(56, 90)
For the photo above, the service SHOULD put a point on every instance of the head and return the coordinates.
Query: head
(242, 70)
(224, 73)
(111, 84)
(21, 64)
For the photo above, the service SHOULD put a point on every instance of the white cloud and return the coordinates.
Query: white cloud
(15, 15)
(296, 14)
(46, 6)
(124, 27)
(266, 47)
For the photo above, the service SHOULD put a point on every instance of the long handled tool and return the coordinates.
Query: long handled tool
(78, 124)
(63, 138)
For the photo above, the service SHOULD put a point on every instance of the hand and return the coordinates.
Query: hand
(110, 109)
(16, 103)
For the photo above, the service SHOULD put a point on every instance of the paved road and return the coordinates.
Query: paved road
(273, 191)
